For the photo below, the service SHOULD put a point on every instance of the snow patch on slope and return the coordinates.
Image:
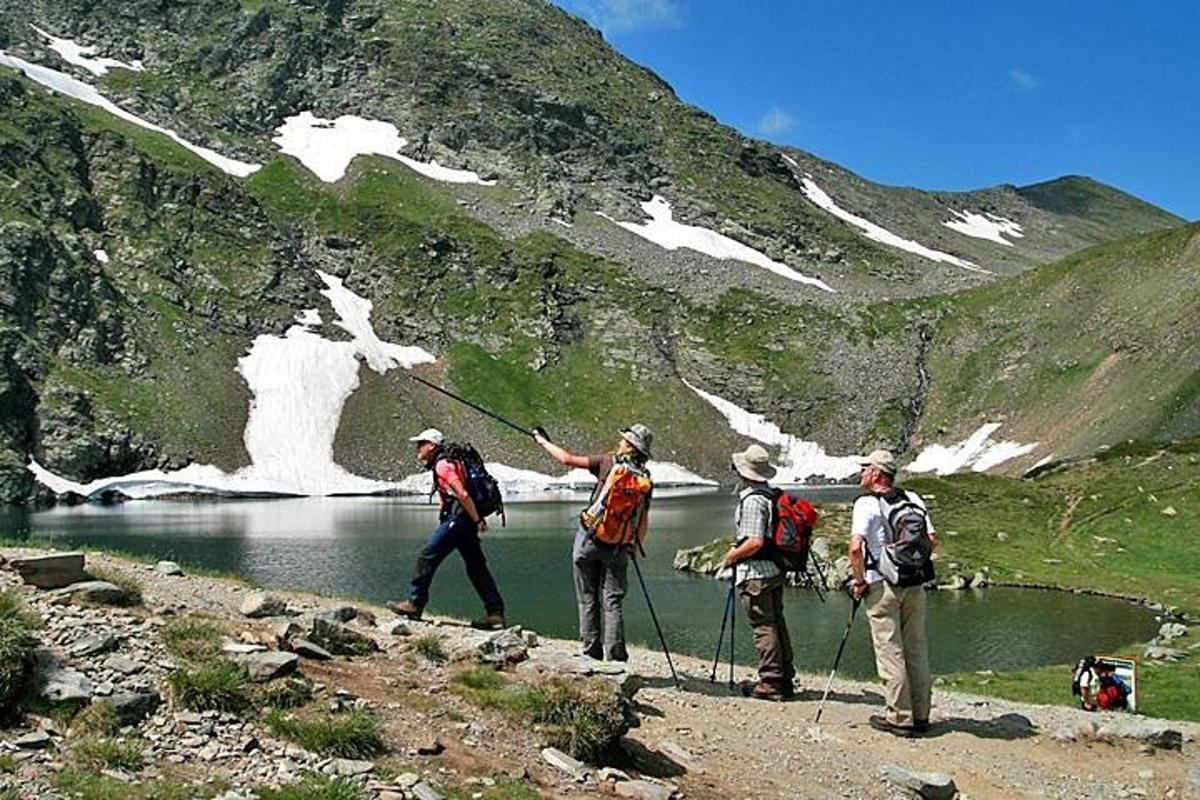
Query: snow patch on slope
(300, 382)
(800, 458)
(524, 483)
(327, 146)
(978, 451)
(985, 226)
(64, 84)
(81, 56)
(873, 231)
(665, 232)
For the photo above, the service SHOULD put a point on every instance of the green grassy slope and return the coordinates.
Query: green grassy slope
(1100, 347)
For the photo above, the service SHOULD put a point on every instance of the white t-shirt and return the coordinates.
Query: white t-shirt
(868, 523)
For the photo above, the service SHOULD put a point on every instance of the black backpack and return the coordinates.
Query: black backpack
(907, 547)
(483, 488)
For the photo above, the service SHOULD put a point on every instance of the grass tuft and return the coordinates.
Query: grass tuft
(17, 642)
(192, 639)
(106, 753)
(430, 648)
(286, 693)
(219, 686)
(353, 735)
(97, 719)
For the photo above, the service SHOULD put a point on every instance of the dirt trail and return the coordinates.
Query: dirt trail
(711, 743)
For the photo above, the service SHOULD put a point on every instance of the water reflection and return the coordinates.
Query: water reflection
(364, 547)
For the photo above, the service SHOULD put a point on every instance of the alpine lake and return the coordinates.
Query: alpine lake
(363, 548)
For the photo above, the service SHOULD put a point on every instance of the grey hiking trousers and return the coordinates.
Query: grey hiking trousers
(600, 583)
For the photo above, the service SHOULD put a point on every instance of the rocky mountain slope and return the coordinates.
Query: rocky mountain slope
(135, 273)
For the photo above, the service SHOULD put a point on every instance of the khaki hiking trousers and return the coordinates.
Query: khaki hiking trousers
(897, 617)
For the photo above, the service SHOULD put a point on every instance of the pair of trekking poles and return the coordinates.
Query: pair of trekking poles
(730, 616)
(530, 433)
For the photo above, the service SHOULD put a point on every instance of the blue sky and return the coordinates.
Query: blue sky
(942, 95)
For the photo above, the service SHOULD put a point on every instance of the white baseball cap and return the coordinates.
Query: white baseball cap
(428, 435)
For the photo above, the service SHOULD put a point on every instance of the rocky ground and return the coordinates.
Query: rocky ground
(443, 733)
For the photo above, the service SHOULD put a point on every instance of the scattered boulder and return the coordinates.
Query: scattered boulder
(341, 640)
(431, 748)
(263, 667)
(504, 647)
(643, 790)
(396, 627)
(928, 785)
(100, 592)
(168, 568)
(242, 648)
(1156, 733)
(57, 682)
(560, 760)
(38, 740)
(51, 572)
(93, 645)
(349, 767)
(285, 631)
(1156, 652)
(123, 665)
(306, 649)
(133, 707)
(339, 614)
(258, 604)
(1171, 630)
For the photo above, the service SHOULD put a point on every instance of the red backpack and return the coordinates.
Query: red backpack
(792, 523)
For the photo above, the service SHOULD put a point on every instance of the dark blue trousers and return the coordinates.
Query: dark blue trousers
(455, 533)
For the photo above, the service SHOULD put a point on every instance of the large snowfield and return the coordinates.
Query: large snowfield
(985, 226)
(799, 459)
(665, 232)
(327, 146)
(979, 452)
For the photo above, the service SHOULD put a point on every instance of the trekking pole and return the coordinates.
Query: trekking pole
(732, 620)
(712, 676)
(467, 402)
(654, 616)
(838, 657)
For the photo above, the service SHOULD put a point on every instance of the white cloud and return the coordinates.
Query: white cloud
(618, 16)
(1026, 81)
(775, 122)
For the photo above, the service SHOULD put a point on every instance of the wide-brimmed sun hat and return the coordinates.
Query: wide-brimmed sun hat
(640, 437)
(882, 460)
(754, 464)
(428, 435)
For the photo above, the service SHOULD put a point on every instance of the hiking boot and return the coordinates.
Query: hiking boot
(491, 621)
(882, 723)
(764, 691)
(405, 608)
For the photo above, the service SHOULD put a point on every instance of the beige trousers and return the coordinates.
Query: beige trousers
(897, 618)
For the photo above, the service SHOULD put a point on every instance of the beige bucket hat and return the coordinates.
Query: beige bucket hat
(754, 464)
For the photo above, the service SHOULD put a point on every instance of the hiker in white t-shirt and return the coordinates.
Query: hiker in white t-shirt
(896, 612)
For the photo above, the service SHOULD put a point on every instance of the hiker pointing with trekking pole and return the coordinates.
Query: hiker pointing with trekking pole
(609, 531)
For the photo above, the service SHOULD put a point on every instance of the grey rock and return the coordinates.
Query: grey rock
(1172, 630)
(643, 790)
(58, 682)
(241, 648)
(36, 740)
(263, 667)
(612, 774)
(928, 785)
(1155, 652)
(423, 791)
(396, 627)
(340, 639)
(338, 614)
(51, 572)
(560, 760)
(123, 665)
(168, 568)
(349, 767)
(307, 649)
(133, 707)
(286, 631)
(1192, 787)
(101, 592)
(258, 604)
(93, 645)
(504, 647)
